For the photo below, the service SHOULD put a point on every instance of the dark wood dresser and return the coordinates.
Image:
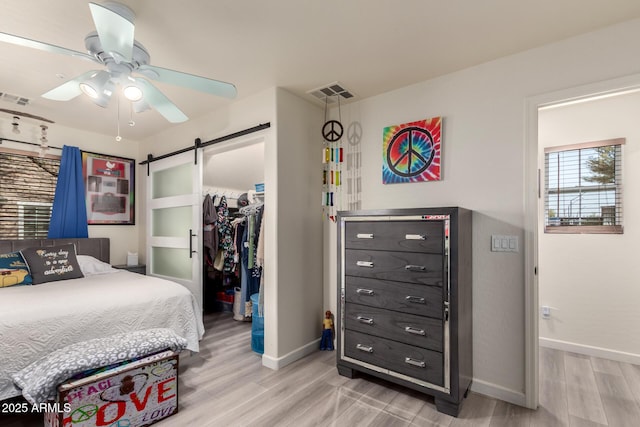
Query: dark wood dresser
(404, 299)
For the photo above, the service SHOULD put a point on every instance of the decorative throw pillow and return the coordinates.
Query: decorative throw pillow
(91, 266)
(13, 270)
(48, 264)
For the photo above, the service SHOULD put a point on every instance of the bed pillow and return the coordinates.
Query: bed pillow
(90, 266)
(13, 270)
(48, 264)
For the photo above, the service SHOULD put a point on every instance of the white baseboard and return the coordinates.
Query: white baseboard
(588, 350)
(498, 392)
(276, 363)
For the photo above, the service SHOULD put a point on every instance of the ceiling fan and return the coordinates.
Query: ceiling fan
(113, 46)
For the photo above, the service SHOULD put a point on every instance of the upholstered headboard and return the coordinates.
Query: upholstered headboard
(97, 247)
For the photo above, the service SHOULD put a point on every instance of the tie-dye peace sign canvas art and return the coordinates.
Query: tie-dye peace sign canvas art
(411, 152)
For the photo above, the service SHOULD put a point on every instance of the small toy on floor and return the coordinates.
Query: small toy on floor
(326, 342)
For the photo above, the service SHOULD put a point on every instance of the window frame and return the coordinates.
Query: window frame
(618, 187)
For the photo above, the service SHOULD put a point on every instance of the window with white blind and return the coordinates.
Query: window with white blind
(583, 188)
(28, 185)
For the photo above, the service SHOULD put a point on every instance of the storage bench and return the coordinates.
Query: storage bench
(134, 394)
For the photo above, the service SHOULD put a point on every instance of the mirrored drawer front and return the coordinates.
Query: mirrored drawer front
(406, 297)
(409, 236)
(415, 362)
(399, 266)
(407, 328)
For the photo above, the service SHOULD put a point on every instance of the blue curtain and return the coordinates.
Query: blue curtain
(69, 212)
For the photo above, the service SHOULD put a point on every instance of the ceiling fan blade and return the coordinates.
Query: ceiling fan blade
(114, 24)
(159, 102)
(69, 90)
(178, 78)
(22, 41)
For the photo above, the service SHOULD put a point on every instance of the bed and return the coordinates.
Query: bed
(36, 320)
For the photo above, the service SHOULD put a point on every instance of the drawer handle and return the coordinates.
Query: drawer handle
(414, 299)
(415, 237)
(412, 267)
(364, 264)
(415, 331)
(367, 320)
(364, 348)
(364, 235)
(363, 291)
(414, 362)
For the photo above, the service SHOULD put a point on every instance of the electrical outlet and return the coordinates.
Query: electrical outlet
(546, 312)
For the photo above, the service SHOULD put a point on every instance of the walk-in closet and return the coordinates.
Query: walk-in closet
(233, 239)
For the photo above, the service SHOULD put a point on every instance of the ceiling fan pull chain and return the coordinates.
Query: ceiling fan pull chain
(118, 137)
(131, 122)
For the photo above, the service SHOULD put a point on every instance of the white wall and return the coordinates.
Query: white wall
(120, 235)
(299, 309)
(483, 170)
(589, 280)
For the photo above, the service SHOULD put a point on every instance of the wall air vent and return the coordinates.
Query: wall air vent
(14, 99)
(330, 93)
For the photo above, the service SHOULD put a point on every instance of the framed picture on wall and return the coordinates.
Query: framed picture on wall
(412, 152)
(109, 189)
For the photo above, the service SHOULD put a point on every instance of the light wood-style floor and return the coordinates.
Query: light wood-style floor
(226, 385)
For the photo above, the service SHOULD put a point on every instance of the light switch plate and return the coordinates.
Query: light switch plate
(502, 243)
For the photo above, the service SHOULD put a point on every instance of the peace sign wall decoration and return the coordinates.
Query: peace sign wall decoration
(411, 152)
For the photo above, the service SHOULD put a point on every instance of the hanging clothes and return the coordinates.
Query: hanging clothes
(209, 229)
(251, 271)
(225, 234)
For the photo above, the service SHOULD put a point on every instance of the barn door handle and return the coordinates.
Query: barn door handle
(191, 236)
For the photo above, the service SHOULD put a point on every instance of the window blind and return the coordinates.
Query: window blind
(583, 188)
(27, 189)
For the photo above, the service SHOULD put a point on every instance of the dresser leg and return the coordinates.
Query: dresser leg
(447, 407)
(345, 372)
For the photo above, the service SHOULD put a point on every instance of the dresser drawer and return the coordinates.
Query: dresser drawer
(405, 236)
(399, 296)
(415, 362)
(398, 266)
(408, 328)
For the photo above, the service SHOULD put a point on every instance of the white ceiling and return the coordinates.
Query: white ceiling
(370, 46)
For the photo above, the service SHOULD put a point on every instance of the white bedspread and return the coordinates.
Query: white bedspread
(35, 320)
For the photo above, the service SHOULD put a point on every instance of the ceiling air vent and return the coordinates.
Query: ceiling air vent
(14, 99)
(330, 93)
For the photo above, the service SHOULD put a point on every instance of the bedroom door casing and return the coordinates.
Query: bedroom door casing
(174, 210)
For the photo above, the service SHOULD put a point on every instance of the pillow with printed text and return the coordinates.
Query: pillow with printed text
(49, 264)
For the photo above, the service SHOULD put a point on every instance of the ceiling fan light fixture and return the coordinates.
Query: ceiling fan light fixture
(88, 90)
(132, 93)
(98, 87)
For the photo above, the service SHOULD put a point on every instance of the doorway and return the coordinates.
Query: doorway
(233, 172)
(534, 214)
